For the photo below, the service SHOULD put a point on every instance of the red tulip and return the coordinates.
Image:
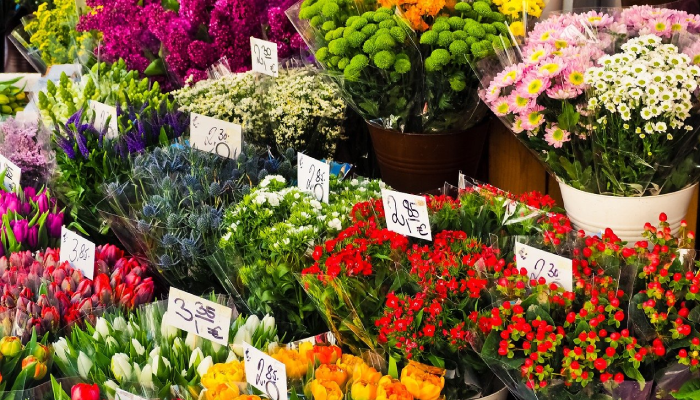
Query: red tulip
(83, 391)
(84, 288)
(50, 318)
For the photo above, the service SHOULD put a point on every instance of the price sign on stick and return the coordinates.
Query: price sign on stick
(78, 251)
(312, 177)
(13, 174)
(202, 317)
(215, 136)
(105, 116)
(124, 395)
(542, 264)
(265, 373)
(406, 214)
(264, 55)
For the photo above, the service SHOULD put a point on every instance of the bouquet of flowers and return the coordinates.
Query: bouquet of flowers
(141, 354)
(298, 109)
(407, 70)
(185, 39)
(42, 295)
(604, 99)
(169, 207)
(12, 98)
(269, 237)
(28, 145)
(30, 220)
(23, 366)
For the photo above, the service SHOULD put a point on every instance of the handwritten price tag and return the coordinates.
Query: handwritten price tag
(312, 176)
(78, 251)
(202, 317)
(264, 55)
(13, 174)
(265, 373)
(124, 395)
(542, 264)
(215, 136)
(406, 214)
(105, 116)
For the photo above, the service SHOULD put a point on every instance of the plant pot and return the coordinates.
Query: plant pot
(626, 216)
(417, 162)
(501, 394)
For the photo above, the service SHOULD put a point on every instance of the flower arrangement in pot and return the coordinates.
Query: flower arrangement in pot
(405, 69)
(605, 101)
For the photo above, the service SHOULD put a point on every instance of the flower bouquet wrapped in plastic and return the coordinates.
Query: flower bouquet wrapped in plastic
(28, 145)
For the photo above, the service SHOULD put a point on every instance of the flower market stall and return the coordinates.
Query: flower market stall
(187, 213)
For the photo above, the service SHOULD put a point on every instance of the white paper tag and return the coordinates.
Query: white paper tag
(13, 174)
(105, 114)
(78, 251)
(265, 373)
(199, 316)
(215, 136)
(124, 395)
(541, 264)
(71, 70)
(462, 181)
(312, 177)
(264, 55)
(406, 214)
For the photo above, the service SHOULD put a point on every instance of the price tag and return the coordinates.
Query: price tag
(13, 174)
(71, 70)
(78, 251)
(462, 181)
(265, 373)
(312, 176)
(124, 395)
(406, 214)
(264, 55)
(215, 136)
(542, 264)
(105, 115)
(202, 317)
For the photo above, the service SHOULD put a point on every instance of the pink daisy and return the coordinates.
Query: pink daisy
(556, 137)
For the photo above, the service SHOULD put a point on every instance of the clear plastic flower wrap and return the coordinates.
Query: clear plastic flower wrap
(28, 145)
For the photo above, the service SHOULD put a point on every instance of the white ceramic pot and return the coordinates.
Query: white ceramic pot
(626, 216)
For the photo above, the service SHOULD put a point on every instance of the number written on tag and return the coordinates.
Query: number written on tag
(13, 174)
(265, 373)
(199, 316)
(105, 117)
(215, 136)
(264, 55)
(124, 395)
(406, 214)
(78, 251)
(541, 264)
(313, 177)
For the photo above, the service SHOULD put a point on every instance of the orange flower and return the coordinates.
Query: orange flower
(332, 372)
(223, 392)
(325, 390)
(423, 381)
(364, 372)
(392, 389)
(325, 354)
(348, 363)
(296, 366)
(361, 390)
(248, 397)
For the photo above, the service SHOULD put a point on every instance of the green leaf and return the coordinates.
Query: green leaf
(155, 68)
(393, 369)
(568, 117)
(58, 393)
(634, 373)
(689, 391)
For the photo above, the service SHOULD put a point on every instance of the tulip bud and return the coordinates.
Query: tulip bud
(121, 368)
(138, 347)
(83, 391)
(62, 350)
(102, 326)
(84, 365)
(112, 345)
(241, 336)
(196, 358)
(161, 367)
(39, 368)
(252, 323)
(193, 341)
(204, 366)
(166, 330)
(41, 352)
(268, 323)
(146, 377)
(119, 324)
(10, 346)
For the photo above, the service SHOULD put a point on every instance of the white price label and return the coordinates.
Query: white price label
(124, 395)
(105, 116)
(202, 317)
(215, 136)
(78, 251)
(71, 70)
(313, 177)
(265, 373)
(264, 55)
(406, 214)
(541, 264)
(13, 174)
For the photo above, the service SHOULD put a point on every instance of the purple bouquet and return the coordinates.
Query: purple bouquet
(185, 39)
(28, 146)
(30, 221)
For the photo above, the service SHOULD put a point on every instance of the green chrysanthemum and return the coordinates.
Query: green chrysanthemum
(384, 59)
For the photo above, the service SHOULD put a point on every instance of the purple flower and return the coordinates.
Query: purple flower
(11, 203)
(54, 222)
(20, 229)
(43, 203)
(33, 237)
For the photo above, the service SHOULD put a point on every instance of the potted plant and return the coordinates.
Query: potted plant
(605, 101)
(405, 69)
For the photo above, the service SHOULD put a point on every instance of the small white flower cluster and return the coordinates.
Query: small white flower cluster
(649, 85)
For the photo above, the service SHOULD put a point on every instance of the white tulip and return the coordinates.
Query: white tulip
(178, 346)
(96, 336)
(166, 330)
(112, 344)
(111, 388)
(241, 336)
(61, 349)
(252, 323)
(84, 365)
(161, 367)
(268, 323)
(146, 376)
(204, 366)
(196, 357)
(155, 352)
(119, 324)
(193, 341)
(216, 347)
(103, 327)
(121, 368)
(138, 347)
(231, 357)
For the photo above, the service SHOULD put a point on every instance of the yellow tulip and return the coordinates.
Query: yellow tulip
(305, 348)
(364, 372)
(333, 373)
(421, 382)
(348, 363)
(222, 392)
(325, 390)
(392, 389)
(362, 390)
(295, 364)
(248, 397)
(229, 373)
